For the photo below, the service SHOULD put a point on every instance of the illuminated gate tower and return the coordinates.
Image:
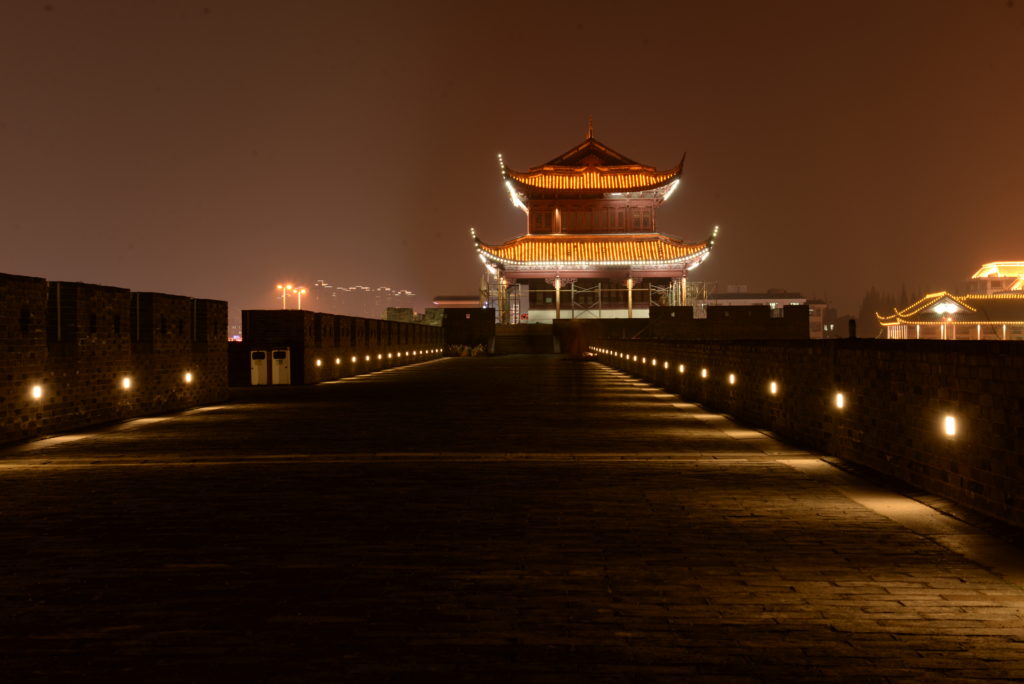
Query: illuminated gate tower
(592, 248)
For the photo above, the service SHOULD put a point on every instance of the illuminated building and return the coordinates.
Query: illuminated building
(993, 309)
(998, 276)
(591, 248)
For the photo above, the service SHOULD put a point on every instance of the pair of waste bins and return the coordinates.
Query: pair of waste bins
(272, 367)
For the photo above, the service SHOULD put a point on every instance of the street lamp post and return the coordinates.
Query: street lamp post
(285, 289)
(299, 292)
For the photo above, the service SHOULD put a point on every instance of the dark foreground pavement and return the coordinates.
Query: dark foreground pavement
(508, 519)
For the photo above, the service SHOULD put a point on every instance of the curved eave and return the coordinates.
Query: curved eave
(523, 181)
(696, 254)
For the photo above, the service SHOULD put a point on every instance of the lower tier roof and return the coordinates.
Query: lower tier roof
(619, 249)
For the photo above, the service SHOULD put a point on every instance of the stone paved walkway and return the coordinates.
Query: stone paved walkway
(508, 519)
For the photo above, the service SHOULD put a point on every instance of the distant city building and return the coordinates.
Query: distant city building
(400, 314)
(591, 248)
(457, 302)
(992, 309)
(358, 300)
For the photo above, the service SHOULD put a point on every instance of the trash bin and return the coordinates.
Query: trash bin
(281, 367)
(258, 367)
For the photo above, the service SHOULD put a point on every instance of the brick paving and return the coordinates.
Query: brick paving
(526, 518)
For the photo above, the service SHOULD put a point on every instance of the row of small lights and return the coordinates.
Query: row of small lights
(36, 391)
(949, 422)
(380, 357)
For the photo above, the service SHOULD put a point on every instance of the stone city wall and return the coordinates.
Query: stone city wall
(68, 349)
(896, 395)
(328, 346)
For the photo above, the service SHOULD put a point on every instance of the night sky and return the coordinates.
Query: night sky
(213, 149)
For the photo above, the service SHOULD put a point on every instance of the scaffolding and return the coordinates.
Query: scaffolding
(597, 301)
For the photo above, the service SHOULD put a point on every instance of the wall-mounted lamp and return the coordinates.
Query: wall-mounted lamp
(949, 426)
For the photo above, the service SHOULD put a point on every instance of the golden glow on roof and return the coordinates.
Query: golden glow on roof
(971, 303)
(615, 179)
(593, 250)
(1001, 269)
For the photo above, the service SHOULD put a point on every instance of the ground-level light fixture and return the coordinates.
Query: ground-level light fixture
(703, 372)
(36, 392)
(949, 426)
(682, 368)
(188, 377)
(773, 387)
(337, 361)
(319, 363)
(732, 378)
(126, 382)
(840, 400)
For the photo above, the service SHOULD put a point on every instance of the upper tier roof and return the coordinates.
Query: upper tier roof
(592, 166)
(1003, 269)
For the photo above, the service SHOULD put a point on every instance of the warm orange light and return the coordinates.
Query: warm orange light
(37, 391)
(703, 372)
(732, 378)
(126, 383)
(949, 426)
(592, 249)
(773, 387)
(188, 377)
(840, 399)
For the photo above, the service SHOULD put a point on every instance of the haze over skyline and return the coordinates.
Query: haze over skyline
(214, 149)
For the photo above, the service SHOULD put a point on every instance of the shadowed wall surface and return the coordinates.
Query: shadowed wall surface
(75, 344)
(896, 395)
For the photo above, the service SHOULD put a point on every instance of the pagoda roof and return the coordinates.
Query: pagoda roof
(592, 166)
(595, 250)
(943, 307)
(1003, 269)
